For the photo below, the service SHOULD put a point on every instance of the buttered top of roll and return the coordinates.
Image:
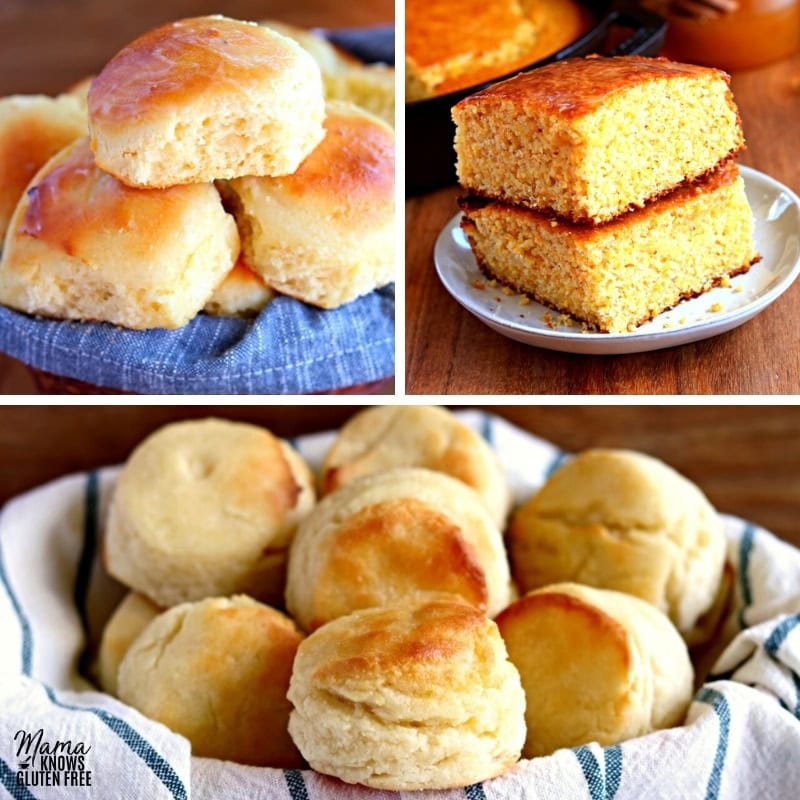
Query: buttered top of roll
(350, 174)
(171, 65)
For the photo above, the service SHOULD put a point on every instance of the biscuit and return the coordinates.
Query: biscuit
(385, 537)
(414, 696)
(596, 666)
(325, 234)
(242, 293)
(383, 437)
(205, 98)
(204, 508)
(82, 245)
(621, 520)
(591, 138)
(32, 130)
(129, 619)
(217, 672)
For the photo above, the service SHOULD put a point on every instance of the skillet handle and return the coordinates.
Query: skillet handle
(647, 30)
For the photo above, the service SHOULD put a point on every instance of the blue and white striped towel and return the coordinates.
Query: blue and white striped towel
(741, 738)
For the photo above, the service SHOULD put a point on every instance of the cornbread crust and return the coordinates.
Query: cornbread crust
(585, 138)
(419, 695)
(617, 275)
(596, 665)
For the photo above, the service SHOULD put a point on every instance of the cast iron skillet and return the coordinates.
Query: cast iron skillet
(430, 159)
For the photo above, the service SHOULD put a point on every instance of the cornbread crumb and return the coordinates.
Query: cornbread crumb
(524, 300)
(591, 138)
(507, 292)
(725, 282)
(493, 283)
(716, 307)
(738, 288)
(480, 285)
(620, 274)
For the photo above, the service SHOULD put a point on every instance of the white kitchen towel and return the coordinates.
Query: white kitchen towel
(60, 737)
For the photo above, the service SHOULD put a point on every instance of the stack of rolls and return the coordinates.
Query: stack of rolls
(377, 635)
(605, 188)
(145, 222)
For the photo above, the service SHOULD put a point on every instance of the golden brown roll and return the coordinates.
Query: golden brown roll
(205, 98)
(217, 672)
(204, 508)
(385, 537)
(32, 130)
(370, 86)
(415, 696)
(242, 293)
(383, 437)
(83, 245)
(129, 619)
(325, 234)
(621, 520)
(596, 666)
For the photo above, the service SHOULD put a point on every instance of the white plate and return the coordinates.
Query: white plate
(776, 210)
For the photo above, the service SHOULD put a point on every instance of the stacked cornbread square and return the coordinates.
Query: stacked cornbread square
(605, 187)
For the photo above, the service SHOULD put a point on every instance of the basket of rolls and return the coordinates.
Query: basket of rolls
(213, 212)
(421, 602)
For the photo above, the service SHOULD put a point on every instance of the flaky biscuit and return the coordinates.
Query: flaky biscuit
(414, 696)
(385, 537)
(205, 98)
(217, 672)
(596, 665)
(383, 437)
(621, 520)
(204, 508)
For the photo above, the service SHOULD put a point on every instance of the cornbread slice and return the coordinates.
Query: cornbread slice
(618, 275)
(445, 38)
(591, 138)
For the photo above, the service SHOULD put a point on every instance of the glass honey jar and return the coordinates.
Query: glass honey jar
(758, 32)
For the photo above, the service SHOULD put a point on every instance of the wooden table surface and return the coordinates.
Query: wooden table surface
(448, 351)
(746, 458)
(47, 45)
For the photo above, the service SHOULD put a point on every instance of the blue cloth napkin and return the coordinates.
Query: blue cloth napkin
(290, 348)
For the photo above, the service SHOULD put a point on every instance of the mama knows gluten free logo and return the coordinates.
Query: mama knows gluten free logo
(43, 763)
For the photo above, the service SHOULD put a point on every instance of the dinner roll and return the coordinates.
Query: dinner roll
(205, 98)
(204, 508)
(413, 696)
(217, 672)
(82, 245)
(129, 619)
(242, 293)
(325, 234)
(370, 86)
(32, 130)
(622, 520)
(385, 537)
(596, 665)
(382, 437)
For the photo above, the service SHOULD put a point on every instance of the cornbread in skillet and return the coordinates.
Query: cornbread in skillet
(621, 520)
(217, 672)
(204, 508)
(382, 437)
(596, 665)
(32, 130)
(622, 273)
(325, 234)
(419, 695)
(242, 293)
(205, 98)
(385, 537)
(591, 138)
(83, 245)
(129, 619)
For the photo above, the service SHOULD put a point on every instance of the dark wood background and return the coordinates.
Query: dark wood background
(448, 351)
(746, 458)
